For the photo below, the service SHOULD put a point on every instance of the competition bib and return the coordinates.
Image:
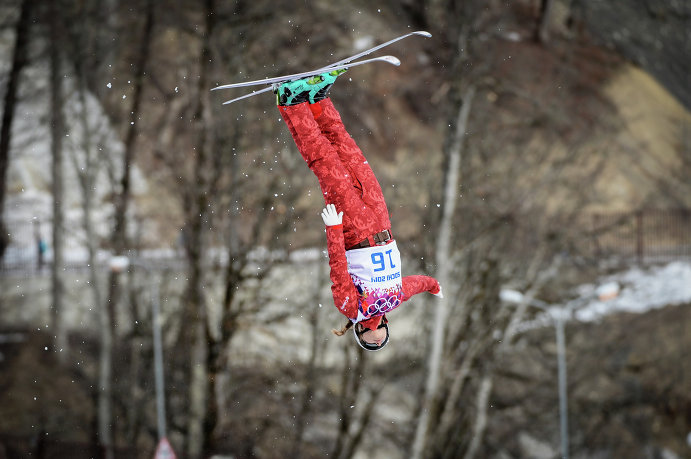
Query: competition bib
(376, 272)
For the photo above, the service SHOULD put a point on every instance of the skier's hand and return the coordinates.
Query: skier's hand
(330, 216)
(439, 294)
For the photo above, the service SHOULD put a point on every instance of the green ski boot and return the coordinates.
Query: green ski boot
(310, 89)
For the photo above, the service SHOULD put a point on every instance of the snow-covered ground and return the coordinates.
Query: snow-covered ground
(640, 290)
(636, 290)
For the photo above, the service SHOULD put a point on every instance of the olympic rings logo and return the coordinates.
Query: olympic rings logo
(384, 304)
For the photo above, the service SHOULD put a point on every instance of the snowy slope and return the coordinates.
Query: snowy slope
(641, 291)
(637, 290)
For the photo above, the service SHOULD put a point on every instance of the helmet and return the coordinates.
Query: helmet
(367, 346)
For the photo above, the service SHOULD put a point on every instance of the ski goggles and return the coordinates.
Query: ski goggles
(369, 346)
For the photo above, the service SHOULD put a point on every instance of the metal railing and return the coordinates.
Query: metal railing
(644, 235)
(30, 250)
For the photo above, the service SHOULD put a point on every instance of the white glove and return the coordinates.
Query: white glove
(439, 294)
(330, 217)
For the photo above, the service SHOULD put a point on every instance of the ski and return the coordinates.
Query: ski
(272, 81)
(253, 93)
(421, 33)
(378, 47)
(295, 76)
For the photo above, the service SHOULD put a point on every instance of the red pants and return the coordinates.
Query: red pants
(345, 177)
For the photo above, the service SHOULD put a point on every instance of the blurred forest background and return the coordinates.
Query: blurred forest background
(531, 145)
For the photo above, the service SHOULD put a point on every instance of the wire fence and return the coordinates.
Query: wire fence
(645, 235)
(40, 445)
(30, 252)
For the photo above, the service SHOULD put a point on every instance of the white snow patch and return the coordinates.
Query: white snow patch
(363, 43)
(641, 291)
(636, 290)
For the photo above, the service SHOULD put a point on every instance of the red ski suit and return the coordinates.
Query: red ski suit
(347, 181)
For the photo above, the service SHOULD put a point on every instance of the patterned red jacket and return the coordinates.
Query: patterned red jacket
(347, 181)
(348, 299)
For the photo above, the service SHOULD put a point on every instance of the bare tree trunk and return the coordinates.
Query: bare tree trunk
(487, 381)
(543, 23)
(105, 415)
(198, 392)
(86, 180)
(483, 394)
(576, 16)
(443, 274)
(356, 437)
(123, 198)
(447, 417)
(199, 429)
(57, 133)
(538, 279)
(19, 60)
(351, 383)
(311, 374)
(136, 340)
(87, 171)
(119, 238)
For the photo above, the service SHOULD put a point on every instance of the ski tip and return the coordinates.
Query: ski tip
(392, 60)
(423, 33)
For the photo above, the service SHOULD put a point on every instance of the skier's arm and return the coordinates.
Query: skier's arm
(412, 285)
(345, 294)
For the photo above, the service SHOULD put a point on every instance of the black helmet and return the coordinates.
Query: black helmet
(367, 346)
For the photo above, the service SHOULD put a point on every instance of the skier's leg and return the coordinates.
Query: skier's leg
(334, 178)
(331, 125)
(310, 89)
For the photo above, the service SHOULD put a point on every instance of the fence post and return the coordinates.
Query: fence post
(639, 236)
(596, 242)
(684, 233)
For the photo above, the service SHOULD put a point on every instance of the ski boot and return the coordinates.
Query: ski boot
(310, 89)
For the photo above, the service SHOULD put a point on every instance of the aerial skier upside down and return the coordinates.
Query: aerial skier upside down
(363, 256)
